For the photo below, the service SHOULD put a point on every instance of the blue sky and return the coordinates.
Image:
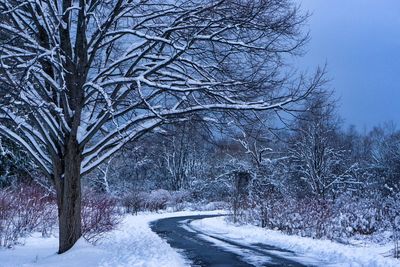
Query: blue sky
(360, 41)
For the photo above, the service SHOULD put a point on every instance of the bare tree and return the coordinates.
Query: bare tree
(318, 159)
(182, 154)
(385, 156)
(81, 78)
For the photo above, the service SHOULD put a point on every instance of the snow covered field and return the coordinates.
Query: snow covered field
(308, 249)
(134, 244)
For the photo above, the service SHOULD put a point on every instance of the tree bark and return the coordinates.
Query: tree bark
(69, 199)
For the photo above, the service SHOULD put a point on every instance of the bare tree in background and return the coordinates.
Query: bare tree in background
(319, 161)
(385, 156)
(81, 78)
(183, 153)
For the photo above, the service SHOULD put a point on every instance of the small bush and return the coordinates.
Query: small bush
(133, 202)
(25, 210)
(178, 200)
(157, 200)
(100, 214)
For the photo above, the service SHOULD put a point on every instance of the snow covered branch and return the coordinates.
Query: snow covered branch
(101, 73)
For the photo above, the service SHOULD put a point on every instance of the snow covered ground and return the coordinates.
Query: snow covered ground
(309, 250)
(132, 244)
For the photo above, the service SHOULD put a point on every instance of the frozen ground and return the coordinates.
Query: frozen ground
(132, 244)
(308, 250)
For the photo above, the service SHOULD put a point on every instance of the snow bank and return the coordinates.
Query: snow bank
(132, 244)
(335, 254)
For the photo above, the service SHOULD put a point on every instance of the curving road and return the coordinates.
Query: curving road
(203, 249)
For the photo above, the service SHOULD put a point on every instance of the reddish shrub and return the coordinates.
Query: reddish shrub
(24, 210)
(100, 214)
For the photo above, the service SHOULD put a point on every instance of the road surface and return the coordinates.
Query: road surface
(204, 249)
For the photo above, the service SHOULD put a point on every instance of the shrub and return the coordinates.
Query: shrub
(156, 200)
(133, 202)
(347, 216)
(24, 210)
(30, 208)
(178, 200)
(100, 214)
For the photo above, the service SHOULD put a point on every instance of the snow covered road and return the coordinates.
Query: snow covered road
(308, 251)
(205, 249)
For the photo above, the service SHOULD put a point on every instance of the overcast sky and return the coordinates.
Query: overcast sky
(360, 41)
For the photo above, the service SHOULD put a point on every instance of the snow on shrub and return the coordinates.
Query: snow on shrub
(339, 219)
(216, 205)
(161, 199)
(178, 200)
(133, 202)
(156, 200)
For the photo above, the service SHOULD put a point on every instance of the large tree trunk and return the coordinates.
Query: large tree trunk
(69, 199)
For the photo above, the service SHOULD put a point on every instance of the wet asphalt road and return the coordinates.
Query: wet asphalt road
(200, 248)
